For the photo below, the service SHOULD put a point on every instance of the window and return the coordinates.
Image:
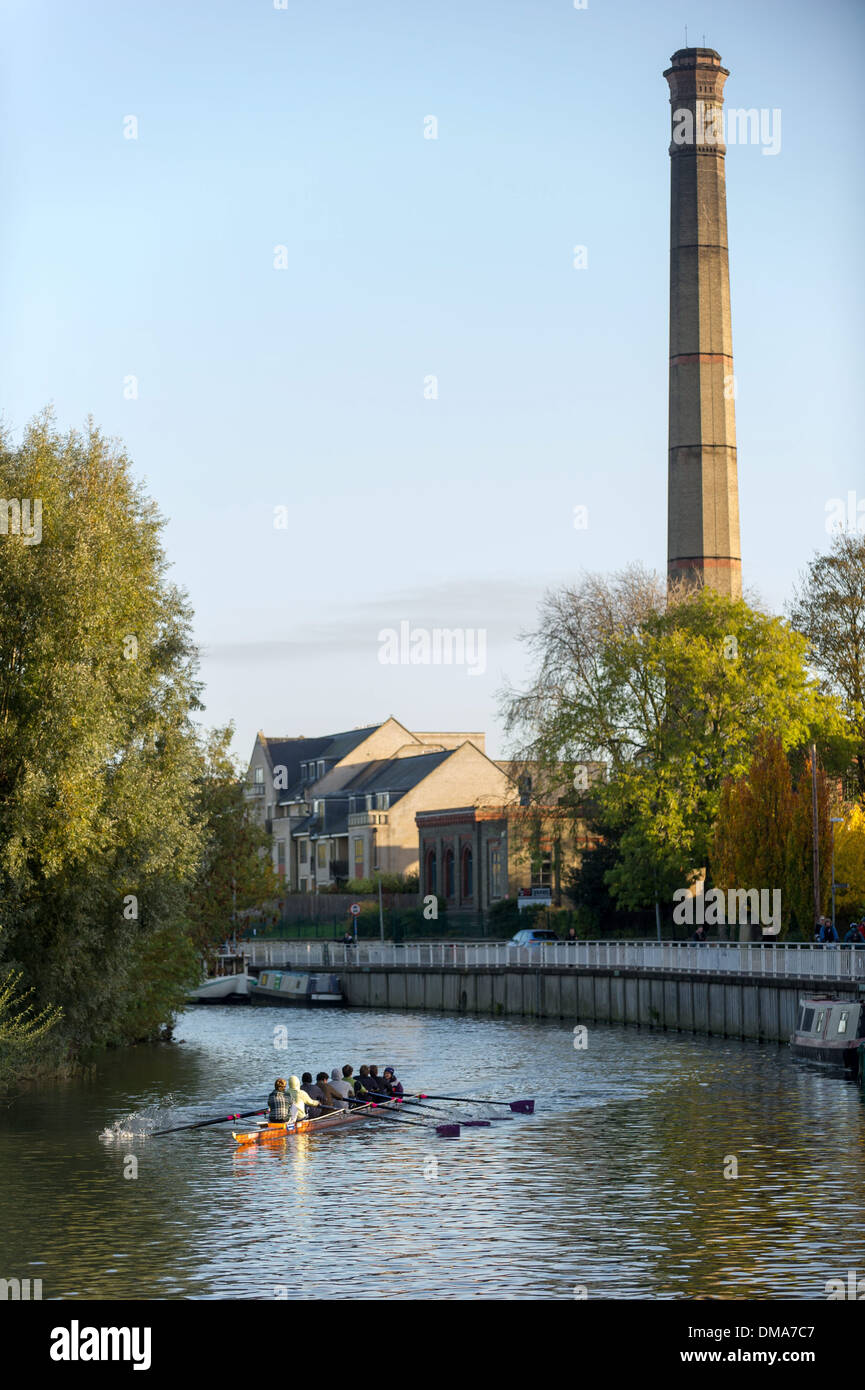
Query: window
(542, 867)
(303, 853)
(382, 801)
(258, 776)
(449, 873)
(358, 858)
(321, 856)
(468, 873)
(842, 1022)
(368, 802)
(806, 1020)
(431, 871)
(321, 769)
(280, 857)
(820, 1017)
(496, 888)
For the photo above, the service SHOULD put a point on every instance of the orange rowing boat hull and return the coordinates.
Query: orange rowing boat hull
(276, 1133)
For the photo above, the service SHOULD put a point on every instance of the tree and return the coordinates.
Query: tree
(99, 834)
(21, 1027)
(752, 831)
(671, 690)
(829, 609)
(800, 850)
(850, 863)
(235, 871)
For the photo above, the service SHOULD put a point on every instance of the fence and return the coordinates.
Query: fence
(758, 959)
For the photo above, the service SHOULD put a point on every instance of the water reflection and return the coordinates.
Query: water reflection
(623, 1182)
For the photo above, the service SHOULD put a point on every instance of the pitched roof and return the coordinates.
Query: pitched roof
(291, 752)
(395, 774)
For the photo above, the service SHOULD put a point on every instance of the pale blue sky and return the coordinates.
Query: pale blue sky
(303, 388)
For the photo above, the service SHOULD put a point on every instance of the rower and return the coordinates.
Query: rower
(347, 1075)
(361, 1085)
(391, 1085)
(277, 1102)
(375, 1084)
(341, 1087)
(299, 1100)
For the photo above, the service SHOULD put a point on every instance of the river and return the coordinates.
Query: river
(614, 1189)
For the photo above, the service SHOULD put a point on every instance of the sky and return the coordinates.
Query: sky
(357, 366)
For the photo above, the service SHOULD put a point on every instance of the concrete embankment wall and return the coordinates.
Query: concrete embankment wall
(736, 1006)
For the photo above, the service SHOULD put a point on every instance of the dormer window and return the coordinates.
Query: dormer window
(321, 769)
(382, 801)
(258, 776)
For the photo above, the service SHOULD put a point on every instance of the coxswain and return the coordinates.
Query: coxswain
(392, 1086)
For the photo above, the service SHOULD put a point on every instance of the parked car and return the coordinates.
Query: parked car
(530, 937)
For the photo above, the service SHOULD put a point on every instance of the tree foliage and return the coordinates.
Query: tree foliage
(829, 609)
(763, 834)
(671, 690)
(99, 835)
(235, 870)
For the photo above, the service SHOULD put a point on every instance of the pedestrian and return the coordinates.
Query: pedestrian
(828, 934)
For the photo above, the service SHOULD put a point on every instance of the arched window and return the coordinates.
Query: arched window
(449, 873)
(468, 875)
(431, 884)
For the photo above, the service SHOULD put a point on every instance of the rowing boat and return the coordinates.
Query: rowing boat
(272, 1133)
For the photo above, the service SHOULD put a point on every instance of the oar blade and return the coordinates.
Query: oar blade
(448, 1131)
(523, 1107)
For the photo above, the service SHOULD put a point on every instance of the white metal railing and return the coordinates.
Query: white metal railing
(712, 958)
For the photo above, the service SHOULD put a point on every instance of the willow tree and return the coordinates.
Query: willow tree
(671, 691)
(99, 834)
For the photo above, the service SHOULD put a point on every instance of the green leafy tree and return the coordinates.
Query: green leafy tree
(235, 872)
(829, 609)
(672, 691)
(99, 835)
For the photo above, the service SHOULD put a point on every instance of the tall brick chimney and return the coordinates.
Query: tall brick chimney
(703, 499)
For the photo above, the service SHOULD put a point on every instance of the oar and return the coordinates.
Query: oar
(220, 1120)
(444, 1131)
(520, 1107)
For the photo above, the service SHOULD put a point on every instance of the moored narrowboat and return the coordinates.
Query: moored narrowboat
(829, 1030)
(297, 987)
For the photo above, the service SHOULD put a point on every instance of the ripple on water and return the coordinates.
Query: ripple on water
(620, 1183)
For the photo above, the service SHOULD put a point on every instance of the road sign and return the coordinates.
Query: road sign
(355, 909)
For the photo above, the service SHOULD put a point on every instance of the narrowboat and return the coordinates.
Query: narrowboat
(296, 987)
(829, 1030)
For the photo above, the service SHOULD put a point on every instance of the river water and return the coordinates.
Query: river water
(614, 1189)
